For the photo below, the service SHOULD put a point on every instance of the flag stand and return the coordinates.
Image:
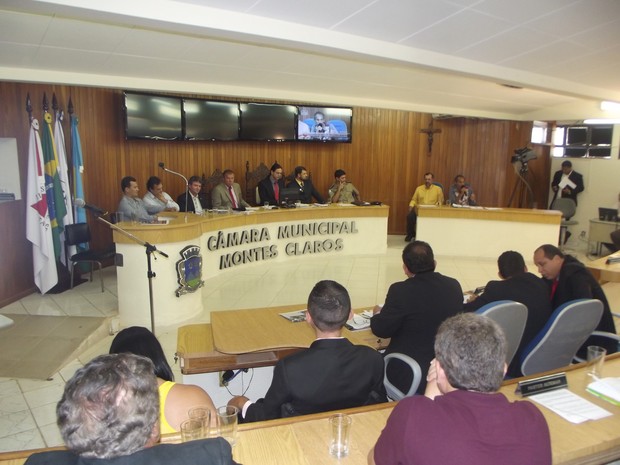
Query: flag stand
(149, 249)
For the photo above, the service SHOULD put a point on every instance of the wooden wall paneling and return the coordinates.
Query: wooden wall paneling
(386, 160)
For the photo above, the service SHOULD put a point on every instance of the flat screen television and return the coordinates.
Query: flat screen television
(261, 121)
(210, 120)
(324, 124)
(153, 117)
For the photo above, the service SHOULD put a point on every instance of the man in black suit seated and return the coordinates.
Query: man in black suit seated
(521, 286)
(413, 310)
(306, 188)
(332, 374)
(109, 415)
(270, 187)
(568, 279)
(196, 201)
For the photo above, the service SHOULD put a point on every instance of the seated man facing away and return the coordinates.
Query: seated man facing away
(332, 374)
(109, 414)
(462, 419)
(521, 286)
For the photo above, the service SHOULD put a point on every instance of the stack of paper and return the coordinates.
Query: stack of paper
(606, 388)
(359, 321)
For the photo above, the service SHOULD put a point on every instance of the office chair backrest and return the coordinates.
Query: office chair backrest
(438, 184)
(566, 330)
(78, 233)
(392, 391)
(615, 238)
(566, 206)
(511, 316)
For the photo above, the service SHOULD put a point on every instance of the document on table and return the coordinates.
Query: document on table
(359, 321)
(570, 406)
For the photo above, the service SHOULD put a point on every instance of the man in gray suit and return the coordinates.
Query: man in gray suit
(228, 193)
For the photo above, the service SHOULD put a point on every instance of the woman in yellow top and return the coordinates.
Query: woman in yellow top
(174, 399)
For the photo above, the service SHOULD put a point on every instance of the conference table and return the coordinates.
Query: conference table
(201, 247)
(238, 339)
(603, 271)
(304, 440)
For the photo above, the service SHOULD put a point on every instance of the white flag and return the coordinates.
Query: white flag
(63, 173)
(38, 227)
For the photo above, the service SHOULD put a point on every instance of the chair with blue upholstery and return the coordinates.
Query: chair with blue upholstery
(558, 341)
(511, 316)
(392, 391)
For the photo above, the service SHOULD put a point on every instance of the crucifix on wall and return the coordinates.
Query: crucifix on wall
(430, 132)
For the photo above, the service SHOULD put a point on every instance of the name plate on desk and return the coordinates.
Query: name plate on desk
(542, 384)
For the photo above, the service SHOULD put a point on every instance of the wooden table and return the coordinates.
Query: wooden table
(251, 338)
(604, 272)
(304, 440)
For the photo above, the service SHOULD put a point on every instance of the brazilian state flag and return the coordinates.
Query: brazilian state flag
(53, 187)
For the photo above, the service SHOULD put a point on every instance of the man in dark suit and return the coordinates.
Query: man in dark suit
(270, 187)
(332, 374)
(413, 311)
(196, 202)
(568, 279)
(305, 186)
(227, 194)
(567, 181)
(518, 285)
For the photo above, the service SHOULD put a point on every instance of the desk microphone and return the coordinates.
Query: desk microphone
(163, 167)
(96, 210)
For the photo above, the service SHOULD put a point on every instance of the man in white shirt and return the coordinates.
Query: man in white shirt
(156, 200)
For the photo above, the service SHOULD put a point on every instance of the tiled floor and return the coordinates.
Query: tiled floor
(27, 407)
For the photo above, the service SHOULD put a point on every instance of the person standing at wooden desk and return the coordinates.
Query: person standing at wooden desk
(462, 419)
(332, 374)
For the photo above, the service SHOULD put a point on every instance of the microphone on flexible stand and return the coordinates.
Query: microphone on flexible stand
(161, 165)
(96, 210)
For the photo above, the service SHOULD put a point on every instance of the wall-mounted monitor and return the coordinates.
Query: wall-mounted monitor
(153, 117)
(261, 121)
(210, 120)
(324, 124)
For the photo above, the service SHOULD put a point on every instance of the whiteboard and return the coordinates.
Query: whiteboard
(9, 175)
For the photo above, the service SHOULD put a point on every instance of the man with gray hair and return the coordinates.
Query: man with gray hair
(462, 418)
(109, 414)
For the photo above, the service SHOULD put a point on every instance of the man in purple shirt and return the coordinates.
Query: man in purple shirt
(461, 418)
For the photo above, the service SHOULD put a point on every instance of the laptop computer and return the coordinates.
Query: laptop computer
(608, 214)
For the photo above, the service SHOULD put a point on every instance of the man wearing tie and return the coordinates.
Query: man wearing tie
(306, 188)
(228, 193)
(270, 187)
